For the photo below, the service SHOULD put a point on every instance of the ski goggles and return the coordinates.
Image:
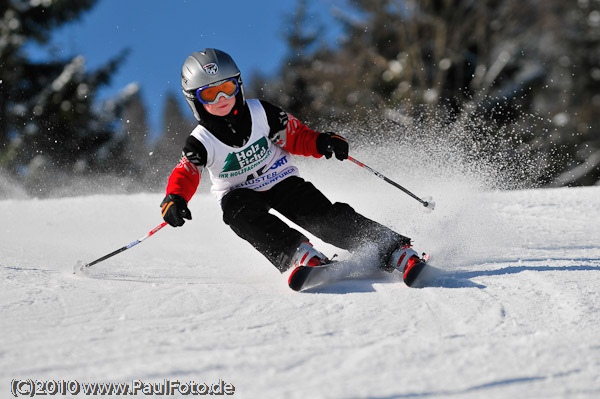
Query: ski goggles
(211, 94)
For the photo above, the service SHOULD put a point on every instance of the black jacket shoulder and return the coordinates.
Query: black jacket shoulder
(277, 118)
(195, 151)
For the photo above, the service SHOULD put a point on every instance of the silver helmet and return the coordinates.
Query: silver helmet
(203, 68)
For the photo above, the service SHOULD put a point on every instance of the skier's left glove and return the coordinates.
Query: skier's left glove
(331, 143)
(174, 210)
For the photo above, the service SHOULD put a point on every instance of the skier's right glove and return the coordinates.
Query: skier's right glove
(174, 210)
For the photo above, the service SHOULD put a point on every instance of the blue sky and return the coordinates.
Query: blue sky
(161, 34)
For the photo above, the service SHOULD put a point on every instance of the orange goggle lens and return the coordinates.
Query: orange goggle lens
(210, 94)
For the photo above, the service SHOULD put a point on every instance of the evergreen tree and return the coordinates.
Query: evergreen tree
(47, 123)
(177, 126)
(294, 90)
(502, 69)
(571, 97)
(135, 131)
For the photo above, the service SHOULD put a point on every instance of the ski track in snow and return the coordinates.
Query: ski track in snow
(510, 307)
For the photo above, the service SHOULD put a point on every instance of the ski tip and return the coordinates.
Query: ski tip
(298, 277)
(412, 275)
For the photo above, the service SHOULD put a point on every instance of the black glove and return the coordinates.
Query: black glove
(174, 210)
(331, 143)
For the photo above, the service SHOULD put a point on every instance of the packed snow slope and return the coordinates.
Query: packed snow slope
(513, 312)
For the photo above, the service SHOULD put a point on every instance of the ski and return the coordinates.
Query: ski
(411, 274)
(307, 276)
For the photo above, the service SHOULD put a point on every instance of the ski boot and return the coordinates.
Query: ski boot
(307, 255)
(305, 261)
(406, 260)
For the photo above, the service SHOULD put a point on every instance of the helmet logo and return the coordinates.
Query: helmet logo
(211, 68)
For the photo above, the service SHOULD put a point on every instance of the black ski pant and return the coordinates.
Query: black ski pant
(247, 213)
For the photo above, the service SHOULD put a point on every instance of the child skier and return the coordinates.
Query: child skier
(246, 147)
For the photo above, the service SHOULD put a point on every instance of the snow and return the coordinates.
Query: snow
(514, 311)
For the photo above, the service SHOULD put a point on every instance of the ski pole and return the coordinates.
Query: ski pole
(427, 204)
(79, 266)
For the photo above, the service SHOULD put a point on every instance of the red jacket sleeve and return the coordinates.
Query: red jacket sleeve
(299, 139)
(184, 179)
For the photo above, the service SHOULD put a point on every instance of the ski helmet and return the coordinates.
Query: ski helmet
(206, 67)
